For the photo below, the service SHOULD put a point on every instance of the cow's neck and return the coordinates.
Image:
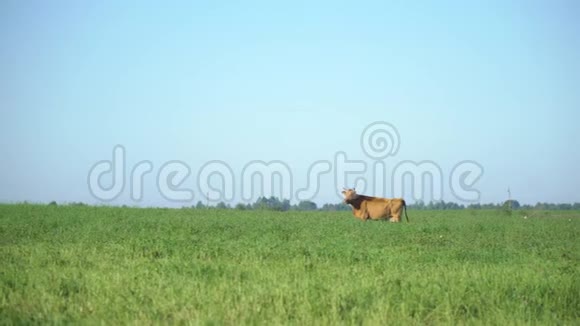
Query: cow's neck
(355, 203)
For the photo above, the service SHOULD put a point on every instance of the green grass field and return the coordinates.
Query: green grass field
(126, 265)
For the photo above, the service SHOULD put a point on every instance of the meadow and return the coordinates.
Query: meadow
(113, 265)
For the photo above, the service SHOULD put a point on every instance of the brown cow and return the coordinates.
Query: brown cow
(375, 208)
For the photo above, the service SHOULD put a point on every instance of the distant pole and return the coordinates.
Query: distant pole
(509, 199)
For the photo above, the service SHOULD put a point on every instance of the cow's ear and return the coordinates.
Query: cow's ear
(353, 189)
(343, 192)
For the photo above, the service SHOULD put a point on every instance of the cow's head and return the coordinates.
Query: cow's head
(349, 195)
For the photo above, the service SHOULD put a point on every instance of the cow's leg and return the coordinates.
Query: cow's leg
(395, 218)
(364, 216)
(364, 213)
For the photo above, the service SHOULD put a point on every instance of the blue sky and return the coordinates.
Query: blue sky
(496, 82)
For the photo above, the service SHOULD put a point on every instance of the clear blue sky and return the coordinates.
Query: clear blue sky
(497, 82)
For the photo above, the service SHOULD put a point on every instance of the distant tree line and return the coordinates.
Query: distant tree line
(514, 204)
(276, 204)
(282, 205)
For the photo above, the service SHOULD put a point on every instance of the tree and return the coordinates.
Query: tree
(200, 205)
(306, 205)
(285, 205)
(541, 206)
(418, 205)
(512, 204)
(335, 207)
(222, 205)
(272, 203)
(474, 206)
(241, 207)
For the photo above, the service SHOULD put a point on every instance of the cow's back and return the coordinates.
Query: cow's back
(380, 208)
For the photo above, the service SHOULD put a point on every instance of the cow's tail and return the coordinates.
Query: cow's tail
(405, 207)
